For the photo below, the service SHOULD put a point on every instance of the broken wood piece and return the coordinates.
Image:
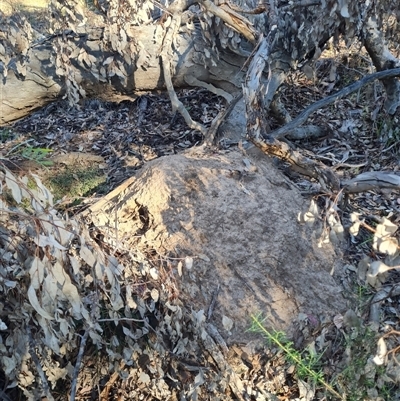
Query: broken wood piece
(371, 180)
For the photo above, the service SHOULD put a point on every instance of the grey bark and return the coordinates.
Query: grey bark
(41, 84)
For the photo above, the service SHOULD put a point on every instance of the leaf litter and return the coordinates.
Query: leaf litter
(141, 334)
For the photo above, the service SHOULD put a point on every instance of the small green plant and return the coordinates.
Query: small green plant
(387, 131)
(5, 134)
(363, 295)
(39, 155)
(307, 365)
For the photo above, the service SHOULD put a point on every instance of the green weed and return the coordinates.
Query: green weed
(357, 377)
(75, 183)
(308, 365)
(39, 155)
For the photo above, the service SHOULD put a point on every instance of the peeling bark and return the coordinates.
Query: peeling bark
(41, 84)
(257, 129)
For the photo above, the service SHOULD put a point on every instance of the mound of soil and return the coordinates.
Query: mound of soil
(233, 226)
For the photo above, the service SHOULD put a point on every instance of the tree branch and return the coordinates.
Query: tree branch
(256, 125)
(303, 116)
(233, 19)
(371, 180)
(78, 364)
(166, 57)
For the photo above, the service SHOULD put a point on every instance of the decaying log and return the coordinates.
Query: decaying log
(42, 85)
(183, 64)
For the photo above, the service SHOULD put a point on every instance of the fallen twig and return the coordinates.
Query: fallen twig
(78, 365)
(166, 57)
(36, 361)
(104, 396)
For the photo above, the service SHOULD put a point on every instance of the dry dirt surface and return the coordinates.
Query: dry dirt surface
(9, 6)
(238, 224)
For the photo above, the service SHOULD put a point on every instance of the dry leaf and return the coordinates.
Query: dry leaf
(381, 352)
(154, 273)
(144, 378)
(87, 255)
(35, 303)
(12, 185)
(48, 240)
(227, 323)
(9, 365)
(188, 263)
(379, 267)
(355, 228)
(155, 294)
(36, 273)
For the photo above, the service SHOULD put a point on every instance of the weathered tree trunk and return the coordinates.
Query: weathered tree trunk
(41, 84)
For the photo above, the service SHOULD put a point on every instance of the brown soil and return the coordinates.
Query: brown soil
(239, 224)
